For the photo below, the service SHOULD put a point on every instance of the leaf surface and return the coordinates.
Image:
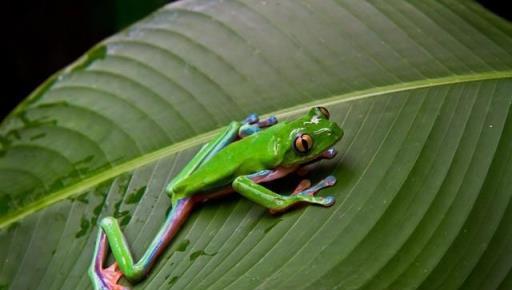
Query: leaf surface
(422, 89)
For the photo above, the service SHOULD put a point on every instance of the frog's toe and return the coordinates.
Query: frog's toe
(329, 180)
(328, 200)
(247, 130)
(329, 153)
(302, 187)
(270, 121)
(312, 190)
(251, 119)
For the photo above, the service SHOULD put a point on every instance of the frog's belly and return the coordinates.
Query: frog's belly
(214, 193)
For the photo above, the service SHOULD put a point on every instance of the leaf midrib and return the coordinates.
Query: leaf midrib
(204, 137)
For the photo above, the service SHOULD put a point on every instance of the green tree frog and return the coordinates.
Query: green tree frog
(242, 157)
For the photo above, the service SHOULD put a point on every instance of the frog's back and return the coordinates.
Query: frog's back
(243, 157)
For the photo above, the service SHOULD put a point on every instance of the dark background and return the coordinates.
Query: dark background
(43, 36)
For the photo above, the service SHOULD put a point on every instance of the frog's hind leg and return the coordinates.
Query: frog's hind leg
(133, 271)
(110, 231)
(252, 124)
(104, 278)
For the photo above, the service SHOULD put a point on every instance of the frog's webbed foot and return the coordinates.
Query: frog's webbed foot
(111, 276)
(303, 185)
(253, 124)
(251, 119)
(312, 190)
(304, 188)
(104, 278)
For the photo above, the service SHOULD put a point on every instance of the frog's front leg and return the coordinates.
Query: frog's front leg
(305, 188)
(248, 186)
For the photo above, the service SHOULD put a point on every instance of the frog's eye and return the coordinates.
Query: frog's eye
(324, 112)
(303, 143)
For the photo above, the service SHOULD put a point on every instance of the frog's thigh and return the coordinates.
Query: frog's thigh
(227, 136)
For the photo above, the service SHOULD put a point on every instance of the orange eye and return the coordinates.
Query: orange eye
(303, 143)
(324, 112)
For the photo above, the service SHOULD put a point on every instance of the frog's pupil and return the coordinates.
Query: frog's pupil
(302, 143)
(305, 144)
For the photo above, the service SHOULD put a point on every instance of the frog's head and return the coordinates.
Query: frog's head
(310, 136)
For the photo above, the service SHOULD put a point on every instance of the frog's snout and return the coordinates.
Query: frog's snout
(336, 131)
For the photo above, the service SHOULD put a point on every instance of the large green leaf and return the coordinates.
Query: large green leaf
(423, 90)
